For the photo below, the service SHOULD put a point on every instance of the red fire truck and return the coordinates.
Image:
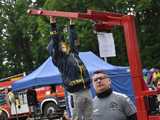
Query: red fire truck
(50, 101)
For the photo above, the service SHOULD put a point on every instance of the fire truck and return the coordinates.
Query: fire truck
(50, 101)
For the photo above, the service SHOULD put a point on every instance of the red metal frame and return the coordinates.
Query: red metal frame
(106, 20)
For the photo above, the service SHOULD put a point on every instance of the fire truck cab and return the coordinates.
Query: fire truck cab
(51, 100)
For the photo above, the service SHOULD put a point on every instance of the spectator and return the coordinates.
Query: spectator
(32, 100)
(151, 78)
(110, 104)
(158, 83)
(153, 84)
(10, 97)
(158, 96)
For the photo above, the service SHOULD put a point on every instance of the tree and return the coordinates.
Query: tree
(21, 36)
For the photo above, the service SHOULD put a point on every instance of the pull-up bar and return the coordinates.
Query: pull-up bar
(107, 18)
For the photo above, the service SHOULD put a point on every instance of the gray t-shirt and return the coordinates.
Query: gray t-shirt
(116, 106)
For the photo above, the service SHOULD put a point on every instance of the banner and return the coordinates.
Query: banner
(106, 44)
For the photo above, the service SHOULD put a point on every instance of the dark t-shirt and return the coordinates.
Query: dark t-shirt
(31, 97)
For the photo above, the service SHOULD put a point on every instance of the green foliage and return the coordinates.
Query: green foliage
(148, 19)
(19, 36)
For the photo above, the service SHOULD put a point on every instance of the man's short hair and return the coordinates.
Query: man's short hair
(99, 71)
(102, 72)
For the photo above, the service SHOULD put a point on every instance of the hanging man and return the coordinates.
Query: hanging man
(75, 76)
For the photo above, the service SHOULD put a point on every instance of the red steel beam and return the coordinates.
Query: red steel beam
(90, 15)
(105, 16)
(53, 13)
(150, 92)
(156, 117)
(106, 13)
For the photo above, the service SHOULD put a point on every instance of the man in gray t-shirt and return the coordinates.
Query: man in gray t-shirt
(108, 104)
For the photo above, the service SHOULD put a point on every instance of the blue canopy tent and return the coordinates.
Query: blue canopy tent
(48, 73)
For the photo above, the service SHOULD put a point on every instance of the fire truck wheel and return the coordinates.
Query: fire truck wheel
(4, 116)
(49, 109)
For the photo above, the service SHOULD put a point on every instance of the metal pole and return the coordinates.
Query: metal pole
(105, 59)
(16, 111)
